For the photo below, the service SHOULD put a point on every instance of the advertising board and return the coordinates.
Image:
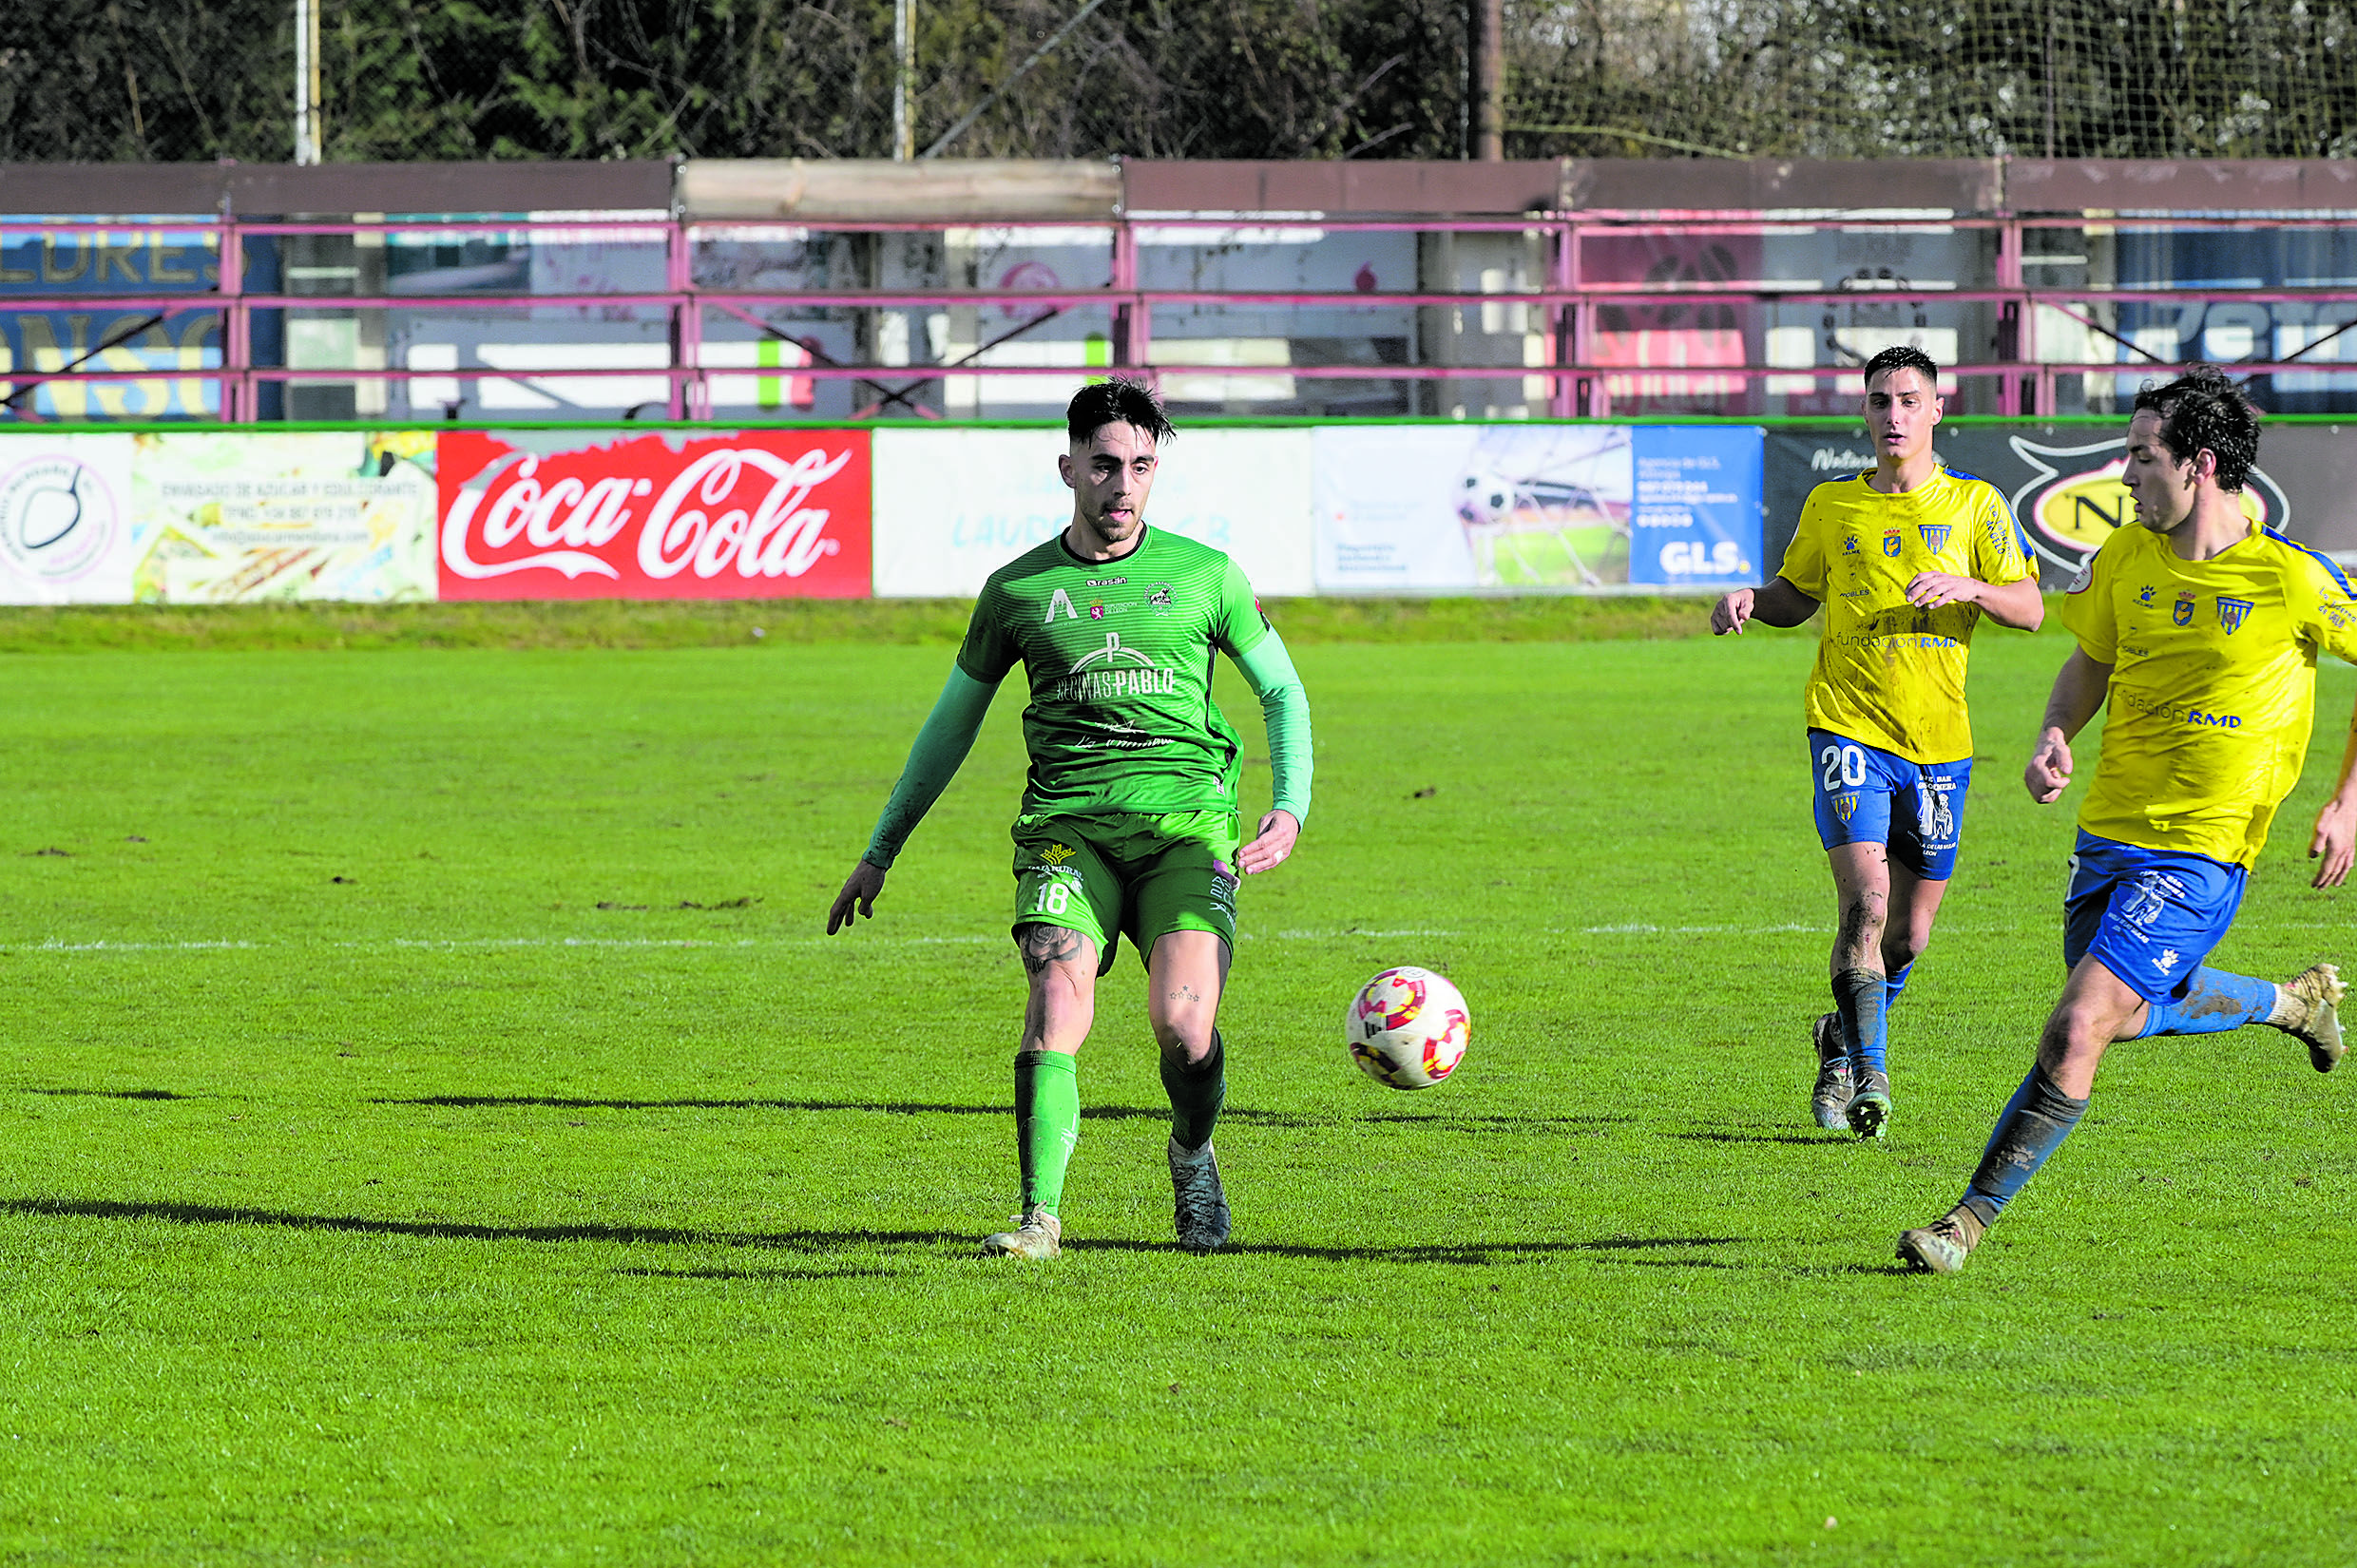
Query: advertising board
(1545, 507)
(745, 514)
(953, 506)
(65, 519)
(2063, 483)
(220, 517)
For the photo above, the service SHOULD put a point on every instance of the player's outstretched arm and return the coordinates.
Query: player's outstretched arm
(1285, 708)
(941, 747)
(1778, 603)
(2017, 605)
(2334, 845)
(2079, 690)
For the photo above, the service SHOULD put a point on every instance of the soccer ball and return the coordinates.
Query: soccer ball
(1484, 498)
(1407, 1028)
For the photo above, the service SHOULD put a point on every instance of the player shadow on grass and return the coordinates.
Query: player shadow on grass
(1727, 1134)
(1471, 1252)
(118, 1094)
(1091, 1113)
(813, 1242)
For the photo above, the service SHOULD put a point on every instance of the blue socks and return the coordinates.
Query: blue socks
(2033, 1125)
(1858, 998)
(2214, 1002)
(1895, 983)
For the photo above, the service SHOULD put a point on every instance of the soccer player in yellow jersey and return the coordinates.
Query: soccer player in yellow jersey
(2203, 630)
(1907, 560)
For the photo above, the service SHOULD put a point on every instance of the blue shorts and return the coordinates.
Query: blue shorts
(2149, 916)
(1864, 795)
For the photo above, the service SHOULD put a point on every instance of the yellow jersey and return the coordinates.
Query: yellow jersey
(1889, 675)
(2213, 684)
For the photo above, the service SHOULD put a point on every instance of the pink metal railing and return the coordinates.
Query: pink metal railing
(1579, 382)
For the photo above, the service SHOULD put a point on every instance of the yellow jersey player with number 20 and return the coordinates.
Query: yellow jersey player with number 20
(2200, 631)
(1906, 560)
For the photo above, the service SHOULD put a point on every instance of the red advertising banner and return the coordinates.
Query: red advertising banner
(746, 514)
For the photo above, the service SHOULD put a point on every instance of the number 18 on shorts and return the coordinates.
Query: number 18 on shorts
(1865, 795)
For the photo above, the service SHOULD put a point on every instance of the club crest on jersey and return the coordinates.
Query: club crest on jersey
(1890, 543)
(2182, 611)
(1844, 806)
(1935, 538)
(1160, 597)
(2144, 594)
(1849, 543)
(2232, 613)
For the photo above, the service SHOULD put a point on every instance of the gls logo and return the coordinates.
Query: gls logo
(1692, 558)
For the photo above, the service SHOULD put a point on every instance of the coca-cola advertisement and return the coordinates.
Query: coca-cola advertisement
(745, 514)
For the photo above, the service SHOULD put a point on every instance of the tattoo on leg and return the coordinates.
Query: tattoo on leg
(1044, 944)
(1185, 993)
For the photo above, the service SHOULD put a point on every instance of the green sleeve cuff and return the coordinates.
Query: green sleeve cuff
(1285, 707)
(941, 747)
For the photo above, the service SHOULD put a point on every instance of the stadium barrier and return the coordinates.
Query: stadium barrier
(181, 515)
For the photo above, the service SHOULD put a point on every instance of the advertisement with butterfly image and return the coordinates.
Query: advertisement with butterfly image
(221, 518)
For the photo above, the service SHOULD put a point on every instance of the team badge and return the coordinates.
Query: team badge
(1096, 612)
(1935, 538)
(1160, 597)
(2232, 612)
(1849, 543)
(1844, 805)
(1890, 543)
(2182, 611)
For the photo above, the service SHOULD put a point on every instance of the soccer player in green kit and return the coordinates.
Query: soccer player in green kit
(1129, 823)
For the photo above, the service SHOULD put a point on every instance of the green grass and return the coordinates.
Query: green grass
(401, 1169)
(778, 624)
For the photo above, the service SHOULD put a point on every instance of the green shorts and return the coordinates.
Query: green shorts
(1109, 874)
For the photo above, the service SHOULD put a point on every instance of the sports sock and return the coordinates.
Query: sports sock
(2214, 1002)
(1858, 998)
(1048, 1123)
(2032, 1126)
(1195, 1093)
(1893, 984)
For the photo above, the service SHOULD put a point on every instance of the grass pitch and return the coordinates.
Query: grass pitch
(437, 1134)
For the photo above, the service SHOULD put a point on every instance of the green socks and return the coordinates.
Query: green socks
(1195, 1095)
(1048, 1121)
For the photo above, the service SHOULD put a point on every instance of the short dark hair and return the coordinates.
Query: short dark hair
(2205, 409)
(1117, 400)
(1903, 357)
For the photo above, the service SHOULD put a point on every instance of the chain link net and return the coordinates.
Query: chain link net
(1959, 79)
(416, 80)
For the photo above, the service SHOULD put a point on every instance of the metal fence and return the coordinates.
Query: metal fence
(1237, 302)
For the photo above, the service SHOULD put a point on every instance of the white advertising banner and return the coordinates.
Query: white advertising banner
(1445, 508)
(65, 519)
(952, 505)
(221, 516)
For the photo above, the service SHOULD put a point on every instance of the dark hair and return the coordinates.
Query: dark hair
(1903, 357)
(1116, 401)
(2204, 409)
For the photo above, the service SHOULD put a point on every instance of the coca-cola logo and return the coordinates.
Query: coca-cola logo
(752, 514)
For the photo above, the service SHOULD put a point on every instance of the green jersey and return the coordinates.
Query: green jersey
(1119, 653)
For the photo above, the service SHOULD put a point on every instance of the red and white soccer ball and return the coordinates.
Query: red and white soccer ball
(1407, 1028)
